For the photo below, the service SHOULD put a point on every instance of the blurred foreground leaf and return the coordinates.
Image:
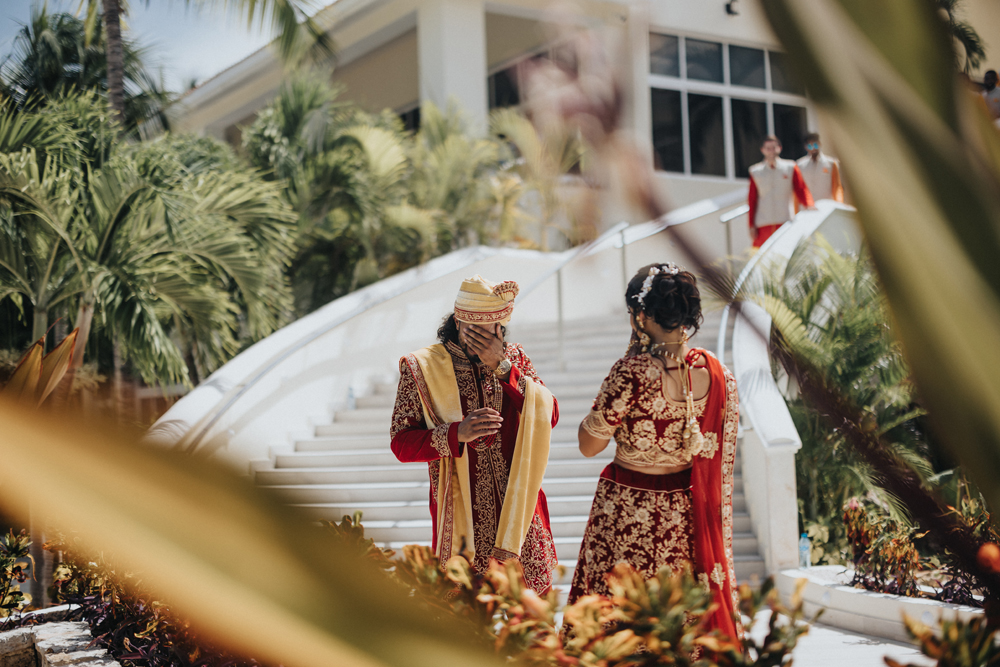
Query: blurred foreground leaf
(922, 163)
(247, 571)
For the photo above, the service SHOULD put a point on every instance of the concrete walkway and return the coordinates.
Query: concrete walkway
(825, 646)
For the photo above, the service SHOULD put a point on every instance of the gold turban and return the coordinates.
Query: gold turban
(481, 302)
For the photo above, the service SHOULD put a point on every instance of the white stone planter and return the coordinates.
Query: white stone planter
(52, 645)
(857, 610)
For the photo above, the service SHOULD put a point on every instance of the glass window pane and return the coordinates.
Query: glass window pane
(668, 141)
(503, 89)
(664, 55)
(790, 127)
(704, 60)
(411, 119)
(749, 130)
(781, 76)
(746, 66)
(708, 154)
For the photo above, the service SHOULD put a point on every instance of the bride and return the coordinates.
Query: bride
(666, 500)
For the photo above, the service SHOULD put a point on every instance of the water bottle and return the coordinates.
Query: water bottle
(804, 552)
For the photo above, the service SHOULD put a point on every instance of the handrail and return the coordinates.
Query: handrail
(644, 230)
(720, 344)
(190, 444)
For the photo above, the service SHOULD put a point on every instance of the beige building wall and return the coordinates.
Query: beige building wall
(508, 37)
(386, 78)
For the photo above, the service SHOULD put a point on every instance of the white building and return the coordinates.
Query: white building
(705, 81)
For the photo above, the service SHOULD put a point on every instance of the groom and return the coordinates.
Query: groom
(474, 410)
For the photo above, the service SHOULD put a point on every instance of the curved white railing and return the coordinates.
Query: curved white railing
(263, 398)
(770, 442)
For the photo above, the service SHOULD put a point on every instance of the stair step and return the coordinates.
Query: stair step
(350, 493)
(376, 400)
(296, 468)
(352, 429)
(380, 415)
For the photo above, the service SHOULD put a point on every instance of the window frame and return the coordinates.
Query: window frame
(727, 91)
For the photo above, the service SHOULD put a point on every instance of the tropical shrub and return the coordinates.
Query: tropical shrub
(136, 629)
(829, 308)
(644, 622)
(885, 559)
(373, 200)
(15, 566)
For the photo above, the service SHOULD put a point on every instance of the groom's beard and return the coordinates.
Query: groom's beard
(474, 358)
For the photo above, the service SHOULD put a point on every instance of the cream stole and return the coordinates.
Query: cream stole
(442, 405)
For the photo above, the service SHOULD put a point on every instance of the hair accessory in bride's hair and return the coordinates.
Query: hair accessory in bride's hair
(669, 269)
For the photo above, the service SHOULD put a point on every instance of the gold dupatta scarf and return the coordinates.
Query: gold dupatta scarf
(434, 373)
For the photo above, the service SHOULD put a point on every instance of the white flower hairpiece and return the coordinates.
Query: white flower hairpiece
(669, 269)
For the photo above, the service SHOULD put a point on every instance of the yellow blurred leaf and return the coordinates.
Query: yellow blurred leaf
(55, 364)
(247, 572)
(921, 161)
(24, 382)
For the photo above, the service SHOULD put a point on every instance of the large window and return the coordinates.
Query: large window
(749, 130)
(713, 104)
(668, 144)
(708, 146)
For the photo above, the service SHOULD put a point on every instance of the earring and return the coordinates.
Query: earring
(643, 337)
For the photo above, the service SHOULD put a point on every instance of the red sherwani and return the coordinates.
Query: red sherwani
(490, 457)
(776, 193)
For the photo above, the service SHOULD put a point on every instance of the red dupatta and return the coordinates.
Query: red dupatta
(712, 497)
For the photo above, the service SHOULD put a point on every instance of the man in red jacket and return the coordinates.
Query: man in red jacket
(777, 190)
(473, 408)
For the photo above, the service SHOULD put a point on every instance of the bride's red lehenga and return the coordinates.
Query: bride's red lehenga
(678, 520)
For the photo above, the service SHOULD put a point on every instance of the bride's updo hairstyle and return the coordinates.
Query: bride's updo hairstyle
(667, 294)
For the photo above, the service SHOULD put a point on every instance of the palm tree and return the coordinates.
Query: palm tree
(964, 34)
(159, 240)
(463, 179)
(343, 172)
(543, 160)
(52, 56)
(38, 262)
(830, 309)
(298, 36)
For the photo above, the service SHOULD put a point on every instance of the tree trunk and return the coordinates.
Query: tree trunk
(117, 383)
(40, 325)
(37, 589)
(84, 319)
(116, 59)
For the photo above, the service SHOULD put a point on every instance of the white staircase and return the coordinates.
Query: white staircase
(347, 465)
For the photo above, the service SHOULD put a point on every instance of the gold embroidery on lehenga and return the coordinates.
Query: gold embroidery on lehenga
(648, 529)
(595, 424)
(717, 575)
(647, 427)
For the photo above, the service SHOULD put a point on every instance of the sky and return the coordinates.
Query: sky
(184, 42)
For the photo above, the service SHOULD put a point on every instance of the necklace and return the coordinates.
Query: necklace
(692, 437)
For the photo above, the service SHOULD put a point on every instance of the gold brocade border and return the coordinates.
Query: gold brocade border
(490, 316)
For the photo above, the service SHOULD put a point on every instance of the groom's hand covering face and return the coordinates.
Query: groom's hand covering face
(484, 343)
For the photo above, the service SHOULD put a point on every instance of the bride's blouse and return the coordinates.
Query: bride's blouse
(634, 408)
